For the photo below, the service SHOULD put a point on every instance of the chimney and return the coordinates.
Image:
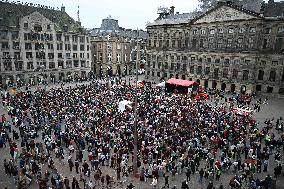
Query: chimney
(172, 10)
(62, 8)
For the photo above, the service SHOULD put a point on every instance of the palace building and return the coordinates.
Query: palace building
(41, 45)
(229, 47)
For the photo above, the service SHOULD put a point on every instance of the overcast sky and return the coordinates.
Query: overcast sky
(130, 14)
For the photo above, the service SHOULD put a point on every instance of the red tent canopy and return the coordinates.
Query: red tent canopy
(180, 82)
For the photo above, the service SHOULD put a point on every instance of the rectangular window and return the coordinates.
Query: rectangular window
(75, 38)
(201, 43)
(82, 39)
(67, 47)
(230, 41)
(154, 64)
(199, 70)
(225, 73)
(17, 55)
(15, 35)
(18, 65)
(51, 65)
(191, 69)
(50, 46)
(29, 55)
(216, 73)
(60, 64)
(5, 45)
(59, 46)
(67, 38)
(173, 43)
(245, 75)
(50, 55)
(30, 65)
(59, 37)
(235, 73)
(83, 64)
(68, 55)
(76, 63)
(172, 66)
(178, 66)
(68, 64)
(82, 47)
(16, 45)
(75, 48)
(207, 70)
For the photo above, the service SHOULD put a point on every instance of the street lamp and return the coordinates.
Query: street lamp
(135, 150)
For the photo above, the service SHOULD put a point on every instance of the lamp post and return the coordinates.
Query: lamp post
(135, 151)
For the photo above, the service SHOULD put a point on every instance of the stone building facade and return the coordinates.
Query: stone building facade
(41, 45)
(114, 49)
(228, 48)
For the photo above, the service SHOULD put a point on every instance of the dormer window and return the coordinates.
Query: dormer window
(48, 27)
(65, 28)
(38, 28)
(26, 25)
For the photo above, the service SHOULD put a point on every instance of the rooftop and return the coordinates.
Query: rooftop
(167, 16)
(110, 26)
(11, 13)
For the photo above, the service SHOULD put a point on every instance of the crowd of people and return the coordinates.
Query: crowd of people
(179, 138)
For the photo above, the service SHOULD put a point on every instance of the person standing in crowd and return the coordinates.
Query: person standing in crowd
(178, 137)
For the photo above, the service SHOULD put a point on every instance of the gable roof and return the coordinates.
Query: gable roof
(230, 5)
(10, 14)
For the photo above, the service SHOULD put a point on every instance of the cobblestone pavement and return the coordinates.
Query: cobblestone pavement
(275, 108)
